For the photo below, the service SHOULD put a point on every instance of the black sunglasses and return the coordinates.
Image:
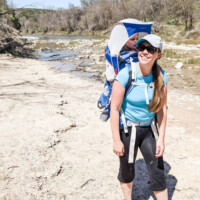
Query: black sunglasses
(150, 49)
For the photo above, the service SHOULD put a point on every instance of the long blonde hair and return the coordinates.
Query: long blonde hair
(158, 93)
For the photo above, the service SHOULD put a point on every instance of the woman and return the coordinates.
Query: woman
(140, 107)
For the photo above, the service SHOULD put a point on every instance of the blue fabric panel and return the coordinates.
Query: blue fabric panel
(128, 55)
(104, 98)
(135, 28)
(107, 54)
(115, 64)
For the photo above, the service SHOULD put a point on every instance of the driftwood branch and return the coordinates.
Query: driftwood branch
(86, 183)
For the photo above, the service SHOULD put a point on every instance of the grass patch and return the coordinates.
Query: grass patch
(168, 53)
(171, 22)
(193, 61)
(97, 43)
(72, 43)
(50, 45)
(195, 42)
(188, 41)
(179, 42)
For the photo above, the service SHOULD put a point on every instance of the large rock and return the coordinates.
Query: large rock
(7, 31)
(10, 41)
(179, 65)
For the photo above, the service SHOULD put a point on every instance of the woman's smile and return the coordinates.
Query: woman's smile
(145, 57)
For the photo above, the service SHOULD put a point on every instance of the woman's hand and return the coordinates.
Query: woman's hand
(160, 147)
(118, 148)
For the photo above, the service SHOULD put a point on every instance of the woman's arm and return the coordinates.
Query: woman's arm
(116, 100)
(162, 120)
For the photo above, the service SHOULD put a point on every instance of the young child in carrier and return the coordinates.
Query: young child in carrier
(131, 43)
(128, 51)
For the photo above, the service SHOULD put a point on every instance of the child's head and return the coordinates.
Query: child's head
(131, 43)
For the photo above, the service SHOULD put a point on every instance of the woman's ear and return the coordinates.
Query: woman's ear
(159, 55)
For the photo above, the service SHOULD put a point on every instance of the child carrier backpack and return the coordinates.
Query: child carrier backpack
(116, 59)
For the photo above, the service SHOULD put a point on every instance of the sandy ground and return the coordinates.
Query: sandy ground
(53, 145)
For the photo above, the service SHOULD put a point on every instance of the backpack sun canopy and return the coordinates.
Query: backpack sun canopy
(123, 31)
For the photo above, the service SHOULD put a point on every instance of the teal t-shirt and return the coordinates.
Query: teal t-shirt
(134, 103)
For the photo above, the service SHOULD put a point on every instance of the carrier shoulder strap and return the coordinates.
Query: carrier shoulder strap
(131, 72)
(132, 75)
(129, 76)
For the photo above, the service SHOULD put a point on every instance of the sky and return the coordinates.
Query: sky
(45, 4)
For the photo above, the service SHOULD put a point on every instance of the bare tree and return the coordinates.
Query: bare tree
(182, 10)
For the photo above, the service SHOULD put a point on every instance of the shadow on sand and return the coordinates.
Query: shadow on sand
(141, 190)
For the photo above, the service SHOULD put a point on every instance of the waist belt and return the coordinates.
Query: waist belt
(133, 135)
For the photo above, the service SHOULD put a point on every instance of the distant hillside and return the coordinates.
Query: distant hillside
(98, 15)
(172, 18)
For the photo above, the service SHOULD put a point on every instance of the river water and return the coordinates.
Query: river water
(59, 56)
